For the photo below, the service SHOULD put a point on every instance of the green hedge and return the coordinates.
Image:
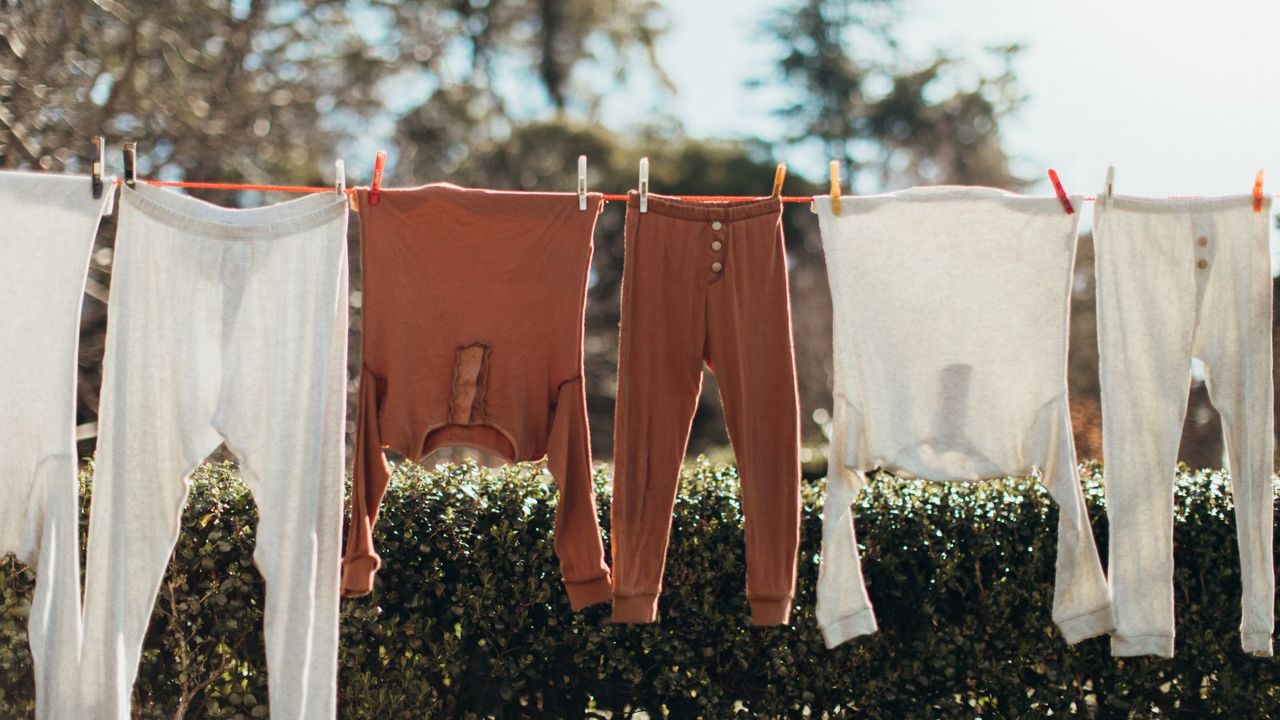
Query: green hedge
(470, 618)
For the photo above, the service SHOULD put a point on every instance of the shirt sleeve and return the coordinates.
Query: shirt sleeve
(577, 528)
(370, 475)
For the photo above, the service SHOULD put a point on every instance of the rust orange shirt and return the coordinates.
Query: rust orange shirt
(473, 306)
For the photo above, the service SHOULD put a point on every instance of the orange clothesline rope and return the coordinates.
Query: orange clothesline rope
(607, 197)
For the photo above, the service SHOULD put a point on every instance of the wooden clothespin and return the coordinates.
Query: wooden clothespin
(339, 176)
(131, 164)
(779, 177)
(99, 161)
(375, 187)
(582, 182)
(1110, 184)
(1062, 194)
(835, 186)
(644, 184)
(1257, 192)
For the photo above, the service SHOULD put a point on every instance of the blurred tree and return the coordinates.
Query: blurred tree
(884, 116)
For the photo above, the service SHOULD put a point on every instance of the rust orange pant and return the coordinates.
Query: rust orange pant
(705, 283)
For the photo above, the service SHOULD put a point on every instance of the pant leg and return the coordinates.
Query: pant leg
(1234, 340)
(283, 413)
(659, 377)
(750, 350)
(158, 393)
(45, 243)
(1145, 291)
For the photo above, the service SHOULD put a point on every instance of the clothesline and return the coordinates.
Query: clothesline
(617, 197)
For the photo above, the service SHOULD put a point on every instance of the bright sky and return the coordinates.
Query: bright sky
(1181, 95)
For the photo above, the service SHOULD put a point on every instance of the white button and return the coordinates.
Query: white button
(716, 245)
(716, 267)
(716, 225)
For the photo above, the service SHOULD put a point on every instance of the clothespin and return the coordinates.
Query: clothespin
(779, 177)
(99, 161)
(131, 164)
(644, 184)
(339, 176)
(1111, 181)
(582, 182)
(375, 188)
(1062, 194)
(1257, 192)
(835, 186)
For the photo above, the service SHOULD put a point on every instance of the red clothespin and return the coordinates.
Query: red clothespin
(1257, 192)
(375, 188)
(1062, 194)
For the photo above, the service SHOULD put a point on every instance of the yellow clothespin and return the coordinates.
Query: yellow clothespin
(835, 186)
(779, 177)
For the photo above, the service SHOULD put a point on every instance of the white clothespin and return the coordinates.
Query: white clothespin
(1111, 181)
(644, 184)
(582, 182)
(340, 176)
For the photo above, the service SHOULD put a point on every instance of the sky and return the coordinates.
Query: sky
(1181, 96)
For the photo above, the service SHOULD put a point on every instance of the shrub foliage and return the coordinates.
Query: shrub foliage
(469, 618)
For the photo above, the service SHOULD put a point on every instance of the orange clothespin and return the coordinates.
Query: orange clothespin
(835, 186)
(779, 177)
(1257, 192)
(375, 188)
(1062, 194)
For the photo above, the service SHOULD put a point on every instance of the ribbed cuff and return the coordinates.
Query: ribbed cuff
(1256, 643)
(1136, 645)
(849, 627)
(1082, 627)
(635, 608)
(357, 575)
(770, 611)
(589, 592)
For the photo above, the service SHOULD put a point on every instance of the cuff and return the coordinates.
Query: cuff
(770, 611)
(1256, 643)
(589, 592)
(635, 608)
(849, 627)
(1136, 645)
(1081, 627)
(357, 575)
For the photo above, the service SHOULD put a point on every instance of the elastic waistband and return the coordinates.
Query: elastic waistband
(1181, 205)
(691, 210)
(204, 218)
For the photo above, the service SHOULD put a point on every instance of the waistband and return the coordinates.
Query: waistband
(204, 218)
(691, 210)
(1137, 203)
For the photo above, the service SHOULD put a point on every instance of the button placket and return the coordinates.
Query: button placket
(717, 248)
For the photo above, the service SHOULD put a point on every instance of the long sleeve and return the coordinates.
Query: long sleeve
(577, 530)
(844, 609)
(1081, 596)
(370, 475)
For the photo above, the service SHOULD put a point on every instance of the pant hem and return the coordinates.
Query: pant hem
(1257, 643)
(589, 592)
(770, 611)
(1137, 645)
(635, 608)
(1083, 627)
(849, 627)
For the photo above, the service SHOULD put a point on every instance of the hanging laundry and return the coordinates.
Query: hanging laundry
(49, 226)
(224, 326)
(951, 309)
(1183, 279)
(473, 307)
(705, 283)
